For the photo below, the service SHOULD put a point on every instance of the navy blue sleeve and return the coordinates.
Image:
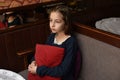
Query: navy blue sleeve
(65, 66)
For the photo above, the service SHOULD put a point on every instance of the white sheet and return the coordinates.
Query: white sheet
(9, 75)
(109, 24)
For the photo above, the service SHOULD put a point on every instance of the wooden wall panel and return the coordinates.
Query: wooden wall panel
(106, 3)
(23, 39)
(91, 4)
(15, 62)
(3, 56)
(19, 39)
(38, 33)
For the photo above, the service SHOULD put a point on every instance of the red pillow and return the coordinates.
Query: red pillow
(49, 56)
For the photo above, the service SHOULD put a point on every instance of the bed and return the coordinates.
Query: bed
(100, 49)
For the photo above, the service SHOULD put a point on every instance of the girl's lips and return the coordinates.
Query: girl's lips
(53, 29)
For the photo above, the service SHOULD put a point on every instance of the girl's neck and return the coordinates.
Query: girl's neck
(60, 34)
(60, 38)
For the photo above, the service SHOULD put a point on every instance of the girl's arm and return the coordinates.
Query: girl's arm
(65, 66)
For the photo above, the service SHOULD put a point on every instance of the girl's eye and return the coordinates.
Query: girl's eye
(58, 21)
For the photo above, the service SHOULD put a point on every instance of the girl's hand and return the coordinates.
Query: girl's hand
(33, 63)
(32, 67)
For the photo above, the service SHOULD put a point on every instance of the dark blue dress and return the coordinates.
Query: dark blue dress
(66, 68)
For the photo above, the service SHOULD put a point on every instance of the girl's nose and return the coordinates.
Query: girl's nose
(52, 24)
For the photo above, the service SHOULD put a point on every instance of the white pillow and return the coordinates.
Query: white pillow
(109, 24)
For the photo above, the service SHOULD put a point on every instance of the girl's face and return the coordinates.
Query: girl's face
(57, 23)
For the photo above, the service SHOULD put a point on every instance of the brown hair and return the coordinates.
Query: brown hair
(64, 10)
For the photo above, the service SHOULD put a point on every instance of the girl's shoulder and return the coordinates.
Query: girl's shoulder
(50, 38)
(71, 39)
(52, 35)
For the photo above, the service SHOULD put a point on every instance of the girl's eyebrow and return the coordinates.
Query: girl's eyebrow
(55, 19)
(58, 19)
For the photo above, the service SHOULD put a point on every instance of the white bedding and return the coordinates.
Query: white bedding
(109, 24)
(9, 75)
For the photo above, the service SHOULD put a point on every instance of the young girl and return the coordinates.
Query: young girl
(61, 36)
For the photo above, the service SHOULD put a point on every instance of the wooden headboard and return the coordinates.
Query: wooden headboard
(84, 23)
(97, 34)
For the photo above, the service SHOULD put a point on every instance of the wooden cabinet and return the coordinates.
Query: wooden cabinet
(20, 38)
